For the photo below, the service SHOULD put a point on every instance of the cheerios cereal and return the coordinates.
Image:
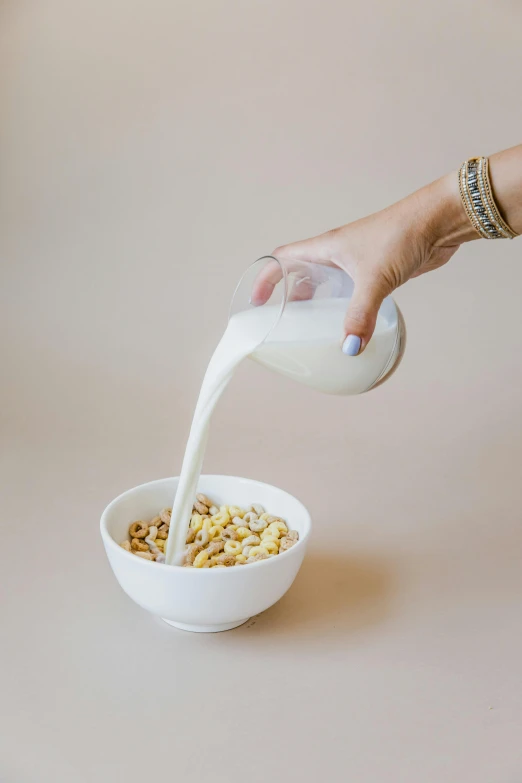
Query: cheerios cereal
(217, 536)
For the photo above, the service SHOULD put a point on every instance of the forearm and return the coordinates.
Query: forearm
(505, 171)
(446, 221)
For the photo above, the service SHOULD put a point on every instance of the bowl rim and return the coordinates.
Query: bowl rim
(112, 544)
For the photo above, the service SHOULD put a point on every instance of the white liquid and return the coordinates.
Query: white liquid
(236, 344)
(304, 346)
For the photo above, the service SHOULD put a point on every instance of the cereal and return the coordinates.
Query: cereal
(277, 529)
(257, 550)
(221, 518)
(233, 547)
(226, 559)
(196, 522)
(255, 558)
(202, 537)
(145, 555)
(217, 536)
(287, 542)
(200, 558)
(191, 553)
(138, 530)
(163, 532)
(243, 532)
(139, 546)
(230, 533)
(271, 547)
(256, 525)
(215, 547)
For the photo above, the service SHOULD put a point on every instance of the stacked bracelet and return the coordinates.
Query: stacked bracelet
(478, 201)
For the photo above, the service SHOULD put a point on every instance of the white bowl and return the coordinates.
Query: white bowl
(203, 599)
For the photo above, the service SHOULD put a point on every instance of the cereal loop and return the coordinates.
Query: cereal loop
(145, 555)
(243, 532)
(251, 541)
(233, 548)
(221, 518)
(202, 537)
(203, 499)
(256, 525)
(257, 550)
(139, 546)
(274, 530)
(227, 560)
(196, 522)
(138, 529)
(200, 559)
(270, 546)
(229, 534)
(215, 547)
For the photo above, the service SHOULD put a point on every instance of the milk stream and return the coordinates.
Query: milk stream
(304, 346)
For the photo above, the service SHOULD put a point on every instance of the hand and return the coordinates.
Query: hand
(381, 252)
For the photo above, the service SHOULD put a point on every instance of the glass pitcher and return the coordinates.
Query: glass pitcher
(300, 308)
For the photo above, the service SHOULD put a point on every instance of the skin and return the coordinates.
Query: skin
(416, 235)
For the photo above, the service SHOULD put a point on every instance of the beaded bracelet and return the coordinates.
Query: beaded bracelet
(477, 198)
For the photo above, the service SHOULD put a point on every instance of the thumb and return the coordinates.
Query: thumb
(361, 316)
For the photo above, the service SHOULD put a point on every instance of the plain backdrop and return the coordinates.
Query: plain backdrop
(150, 151)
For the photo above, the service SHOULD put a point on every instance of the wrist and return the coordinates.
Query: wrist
(447, 222)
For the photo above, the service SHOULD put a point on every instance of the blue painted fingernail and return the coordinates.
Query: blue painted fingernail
(352, 345)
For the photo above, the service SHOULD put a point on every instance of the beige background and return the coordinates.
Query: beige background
(150, 151)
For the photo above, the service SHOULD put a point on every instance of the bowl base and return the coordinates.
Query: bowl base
(205, 628)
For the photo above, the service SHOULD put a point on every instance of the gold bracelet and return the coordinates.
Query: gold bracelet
(477, 198)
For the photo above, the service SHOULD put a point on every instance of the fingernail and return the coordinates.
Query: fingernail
(352, 345)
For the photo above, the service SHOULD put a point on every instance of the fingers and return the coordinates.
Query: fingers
(316, 249)
(265, 283)
(359, 323)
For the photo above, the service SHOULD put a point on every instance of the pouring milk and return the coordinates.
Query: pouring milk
(304, 346)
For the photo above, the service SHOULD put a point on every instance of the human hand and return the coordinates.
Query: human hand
(380, 253)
